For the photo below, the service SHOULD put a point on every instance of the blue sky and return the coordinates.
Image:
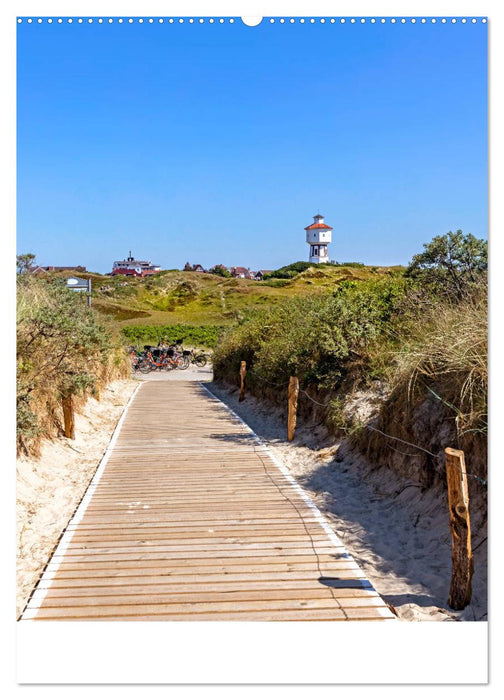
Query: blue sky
(218, 143)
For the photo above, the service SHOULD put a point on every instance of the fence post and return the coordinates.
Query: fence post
(458, 504)
(68, 417)
(293, 401)
(243, 372)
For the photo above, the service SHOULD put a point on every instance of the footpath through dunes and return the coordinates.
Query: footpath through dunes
(189, 517)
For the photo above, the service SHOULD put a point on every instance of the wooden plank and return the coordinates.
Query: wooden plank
(82, 571)
(193, 520)
(226, 522)
(208, 544)
(198, 563)
(174, 609)
(178, 558)
(292, 614)
(241, 599)
(250, 588)
(291, 547)
(204, 578)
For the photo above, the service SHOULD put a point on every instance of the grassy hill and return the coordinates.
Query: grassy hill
(174, 297)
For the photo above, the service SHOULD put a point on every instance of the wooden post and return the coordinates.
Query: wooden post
(458, 504)
(293, 401)
(243, 372)
(68, 417)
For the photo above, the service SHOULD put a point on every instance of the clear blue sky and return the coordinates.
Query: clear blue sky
(218, 143)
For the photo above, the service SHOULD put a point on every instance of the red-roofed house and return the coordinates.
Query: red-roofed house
(242, 272)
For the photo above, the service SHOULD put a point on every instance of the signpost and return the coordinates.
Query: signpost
(80, 285)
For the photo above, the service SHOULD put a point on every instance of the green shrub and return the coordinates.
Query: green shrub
(314, 337)
(451, 265)
(62, 350)
(203, 336)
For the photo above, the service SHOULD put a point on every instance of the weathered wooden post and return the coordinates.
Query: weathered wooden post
(68, 417)
(293, 401)
(243, 372)
(458, 504)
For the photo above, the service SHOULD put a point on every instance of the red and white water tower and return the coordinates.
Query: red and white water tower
(318, 236)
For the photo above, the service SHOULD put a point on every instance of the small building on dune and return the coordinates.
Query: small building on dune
(259, 275)
(52, 268)
(134, 268)
(241, 272)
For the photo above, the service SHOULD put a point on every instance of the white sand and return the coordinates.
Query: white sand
(399, 535)
(49, 489)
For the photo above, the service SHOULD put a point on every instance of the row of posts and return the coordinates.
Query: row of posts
(458, 503)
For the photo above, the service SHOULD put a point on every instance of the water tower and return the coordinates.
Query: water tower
(318, 236)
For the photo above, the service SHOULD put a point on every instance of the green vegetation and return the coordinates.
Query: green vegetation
(290, 271)
(24, 262)
(451, 265)
(62, 350)
(412, 340)
(220, 270)
(315, 337)
(417, 341)
(200, 299)
(200, 336)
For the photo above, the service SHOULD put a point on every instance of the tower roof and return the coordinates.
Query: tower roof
(318, 222)
(318, 225)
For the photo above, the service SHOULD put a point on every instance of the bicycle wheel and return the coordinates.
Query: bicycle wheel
(200, 361)
(145, 366)
(184, 362)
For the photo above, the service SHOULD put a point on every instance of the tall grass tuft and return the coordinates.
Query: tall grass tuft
(447, 356)
(62, 350)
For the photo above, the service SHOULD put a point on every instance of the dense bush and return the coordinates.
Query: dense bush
(62, 351)
(290, 271)
(219, 270)
(453, 265)
(423, 336)
(315, 337)
(203, 336)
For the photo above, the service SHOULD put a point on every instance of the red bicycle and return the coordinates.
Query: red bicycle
(167, 360)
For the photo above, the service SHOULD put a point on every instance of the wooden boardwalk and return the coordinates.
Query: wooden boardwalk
(189, 517)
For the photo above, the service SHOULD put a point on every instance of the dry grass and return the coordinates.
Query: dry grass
(447, 356)
(61, 351)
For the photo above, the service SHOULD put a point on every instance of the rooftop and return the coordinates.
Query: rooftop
(307, 228)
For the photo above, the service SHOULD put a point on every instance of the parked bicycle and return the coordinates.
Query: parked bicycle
(162, 359)
(136, 358)
(199, 358)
